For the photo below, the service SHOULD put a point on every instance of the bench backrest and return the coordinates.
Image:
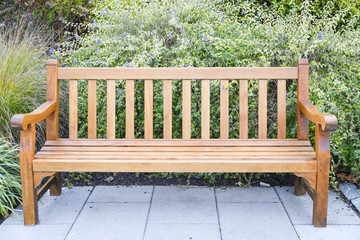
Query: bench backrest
(243, 74)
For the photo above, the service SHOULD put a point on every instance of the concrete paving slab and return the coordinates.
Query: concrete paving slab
(300, 208)
(39, 232)
(98, 221)
(350, 190)
(356, 203)
(171, 204)
(331, 232)
(251, 194)
(255, 221)
(155, 231)
(121, 194)
(57, 209)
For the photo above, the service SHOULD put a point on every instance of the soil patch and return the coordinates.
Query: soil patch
(127, 179)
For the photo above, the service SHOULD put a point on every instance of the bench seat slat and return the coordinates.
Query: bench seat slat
(178, 142)
(45, 154)
(173, 149)
(195, 165)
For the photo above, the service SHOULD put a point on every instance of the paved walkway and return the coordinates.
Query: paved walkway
(173, 213)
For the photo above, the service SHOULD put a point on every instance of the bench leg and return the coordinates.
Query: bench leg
(322, 180)
(55, 189)
(29, 194)
(299, 187)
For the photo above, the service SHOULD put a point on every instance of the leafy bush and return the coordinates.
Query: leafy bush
(208, 33)
(10, 187)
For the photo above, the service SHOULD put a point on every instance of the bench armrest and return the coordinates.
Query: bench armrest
(328, 122)
(21, 121)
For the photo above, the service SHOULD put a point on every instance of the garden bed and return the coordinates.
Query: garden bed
(153, 179)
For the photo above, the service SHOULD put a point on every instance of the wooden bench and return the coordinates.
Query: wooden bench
(176, 155)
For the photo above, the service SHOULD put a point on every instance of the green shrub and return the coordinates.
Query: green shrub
(10, 187)
(210, 34)
(22, 74)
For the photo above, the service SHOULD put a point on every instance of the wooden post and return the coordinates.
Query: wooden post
(302, 121)
(27, 153)
(302, 94)
(299, 188)
(322, 143)
(52, 122)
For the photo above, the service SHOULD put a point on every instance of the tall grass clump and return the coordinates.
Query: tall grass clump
(177, 33)
(10, 187)
(22, 72)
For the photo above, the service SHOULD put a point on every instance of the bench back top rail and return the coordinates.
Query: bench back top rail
(186, 75)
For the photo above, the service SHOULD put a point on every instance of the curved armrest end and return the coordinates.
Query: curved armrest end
(17, 122)
(328, 122)
(21, 121)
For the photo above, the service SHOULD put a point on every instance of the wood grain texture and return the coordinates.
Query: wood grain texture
(224, 109)
(110, 119)
(27, 154)
(149, 125)
(180, 73)
(73, 109)
(129, 91)
(179, 142)
(186, 109)
(281, 109)
(21, 121)
(205, 109)
(92, 109)
(302, 94)
(320, 201)
(162, 165)
(328, 122)
(167, 96)
(262, 125)
(52, 121)
(299, 188)
(243, 109)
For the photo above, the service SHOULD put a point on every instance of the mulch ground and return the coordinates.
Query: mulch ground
(147, 179)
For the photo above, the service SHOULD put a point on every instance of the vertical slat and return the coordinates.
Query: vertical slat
(281, 109)
(110, 120)
(243, 109)
(52, 121)
(224, 109)
(186, 109)
(205, 109)
(262, 108)
(27, 154)
(73, 109)
(167, 109)
(92, 109)
(149, 109)
(129, 91)
(302, 94)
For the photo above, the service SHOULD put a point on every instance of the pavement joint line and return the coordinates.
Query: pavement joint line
(292, 224)
(218, 215)
(148, 215)
(72, 225)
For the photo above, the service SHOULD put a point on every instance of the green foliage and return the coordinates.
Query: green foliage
(210, 34)
(22, 74)
(10, 187)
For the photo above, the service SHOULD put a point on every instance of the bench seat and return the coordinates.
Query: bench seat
(159, 155)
